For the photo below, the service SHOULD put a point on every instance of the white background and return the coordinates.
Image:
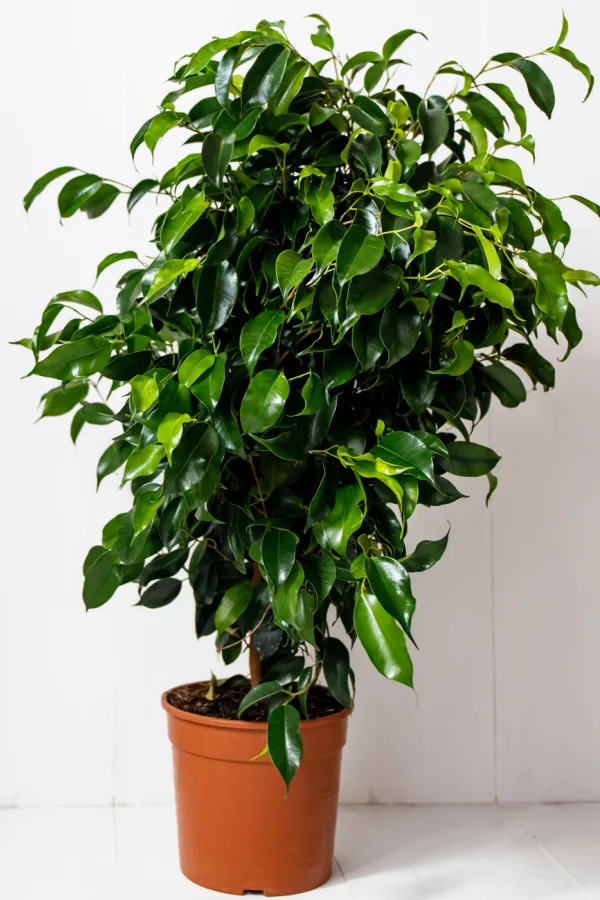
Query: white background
(508, 677)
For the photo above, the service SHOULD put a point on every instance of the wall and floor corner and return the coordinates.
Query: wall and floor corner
(508, 677)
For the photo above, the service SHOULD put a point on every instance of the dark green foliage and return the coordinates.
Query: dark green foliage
(344, 279)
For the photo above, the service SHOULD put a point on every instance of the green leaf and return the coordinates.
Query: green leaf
(390, 582)
(216, 155)
(77, 360)
(284, 741)
(424, 242)
(278, 554)
(112, 459)
(170, 431)
(383, 639)
(335, 529)
(570, 57)
(506, 94)
(370, 292)
(264, 401)
(322, 38)
(336, 668)
(426, 554)
(203, 56)
(399, 332)
(76, 192)
(113, 258)
(471, 460)
(464, 355)
(407, 453)
(143, 461)
(291, 269)
(258, 334)
(140, 190)
(468, 274)
(486, 113)
(234, 602)
(435, 124)
(313, 394)
(360, 59)
(77, 298)
(147, 503)
(62, 399)
(369, 115)
(38, 186)
(159, 126)
(224, 74)
(481, 197)
(359, 253)
(102, 577)
(216, 291)
(290, 86)
(168, 273)
(551, 292)
(504, 383)
(209, 386)
(264, 77)
(160, 594)
(538, 84)
(395, 42)
(261, 142)
(285, 602)
(126, 366)
(164, 565)
(194, 365)
(192, 459)
(261, 692)
(321, 573)
(538, 368)
(326, 244)
(175, 226)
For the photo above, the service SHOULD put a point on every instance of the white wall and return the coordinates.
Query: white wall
(508, 677)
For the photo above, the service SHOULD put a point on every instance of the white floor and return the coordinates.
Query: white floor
(383, 853)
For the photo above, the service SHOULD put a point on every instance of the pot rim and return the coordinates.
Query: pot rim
(239, 724)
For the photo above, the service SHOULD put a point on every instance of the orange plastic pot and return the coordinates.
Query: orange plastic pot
(237, 830)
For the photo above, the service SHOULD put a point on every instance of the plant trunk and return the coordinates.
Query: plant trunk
(254, 660)
(255, 664)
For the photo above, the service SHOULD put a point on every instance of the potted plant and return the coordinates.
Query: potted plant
(344, 275)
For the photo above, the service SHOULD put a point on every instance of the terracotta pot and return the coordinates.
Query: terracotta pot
(237, 830)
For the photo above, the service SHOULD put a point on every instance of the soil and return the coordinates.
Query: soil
(192, 698)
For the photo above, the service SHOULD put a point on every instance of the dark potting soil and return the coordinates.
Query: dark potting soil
(192, 698)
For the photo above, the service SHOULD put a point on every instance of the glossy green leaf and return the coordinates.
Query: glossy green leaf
(468, 274)
(195, 365)
(209, 385)
(504, 383)
(191, 461)
(313, 394)
(216, 293)
(278, 554)
(383, 639)
(76, 192)
(176, 226)
(426, 554)
(260, 692)
(336, 668)
(390, 583)
(435, 125)
(334, 531)
(62, 399)
(291, 269)
(259, 334)
(170, 431)
(216, 155)
(160, 594)
(168, 274)
(77, 360)
(359, 252)
(140, 190)
(464, 355)
(486, 113)
(76, 298)
(471, 460)
(102, 577)
(144, 461)
(516, 108)
(576, 63)
(234, 602)
(395, 42)
(284, 741)
(370, 292)
(538, 84)
(326, 244)
(38, 186)
(407, 452)
(264, 401)
(264, 77)
(113, 258)
(551, 292)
